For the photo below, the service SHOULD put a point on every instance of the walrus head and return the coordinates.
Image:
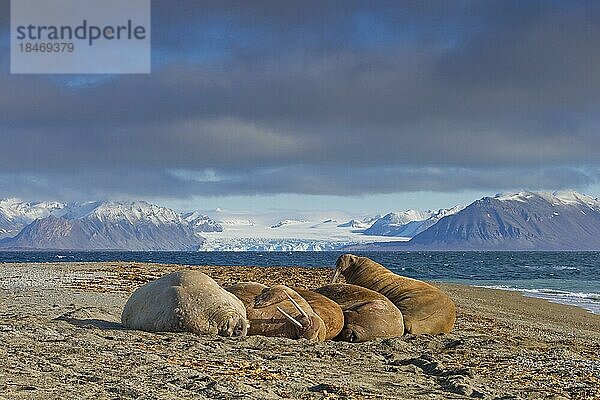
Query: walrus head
(233, 325)
(351, 335)
(343, 263)
(305, 326)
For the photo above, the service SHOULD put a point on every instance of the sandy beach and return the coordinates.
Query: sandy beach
(61, 338)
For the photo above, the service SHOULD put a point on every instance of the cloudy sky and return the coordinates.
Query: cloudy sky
(363, 106)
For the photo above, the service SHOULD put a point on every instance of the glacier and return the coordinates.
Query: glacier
(522, 220)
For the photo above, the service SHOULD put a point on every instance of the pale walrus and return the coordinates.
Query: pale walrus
(278, 311)
(425, 308)
(368, 315)
(330, 312)
(187, 301)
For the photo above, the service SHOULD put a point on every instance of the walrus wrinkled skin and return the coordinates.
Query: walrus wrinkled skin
(278, 311)
(368, 315)
(425, 308)
(330, 312)
(185, 301)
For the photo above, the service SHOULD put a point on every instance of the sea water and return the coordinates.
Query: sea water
(564, 277)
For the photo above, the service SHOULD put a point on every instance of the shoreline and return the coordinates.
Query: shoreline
(60, 325)
(554, 295)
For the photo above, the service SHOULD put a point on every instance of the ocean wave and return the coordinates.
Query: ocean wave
(585, 300)
(565, 268)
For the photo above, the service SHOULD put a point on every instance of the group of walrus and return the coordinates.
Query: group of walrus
(375, 303)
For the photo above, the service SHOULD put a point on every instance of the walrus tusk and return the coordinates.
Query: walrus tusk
(304, 314)
(335, 276)
(290, 318)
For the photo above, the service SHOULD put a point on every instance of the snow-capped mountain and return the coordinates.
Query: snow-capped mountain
(108, 226)
(286, 222)
(16, 214)
(517, 221)
(397, 223)
(141, 226)
(202, 223)
(364, 223)
(408, 223)
(436, 216)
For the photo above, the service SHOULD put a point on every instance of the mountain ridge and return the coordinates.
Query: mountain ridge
(408, 223)
(99, 225)
(525, 220)
(522, 221)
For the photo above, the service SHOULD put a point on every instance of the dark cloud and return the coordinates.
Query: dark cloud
(321, 98)
(180, 184)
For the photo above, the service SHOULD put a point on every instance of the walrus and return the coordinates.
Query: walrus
(246, 292)
(426, 309)
(368, 315)
(185, 301)
(330, 312)
(278, 311)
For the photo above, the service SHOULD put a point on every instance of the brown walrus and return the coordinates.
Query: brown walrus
(278, 311)
(329, 311)
(368, 315)
(426, 309)
(246, 291)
